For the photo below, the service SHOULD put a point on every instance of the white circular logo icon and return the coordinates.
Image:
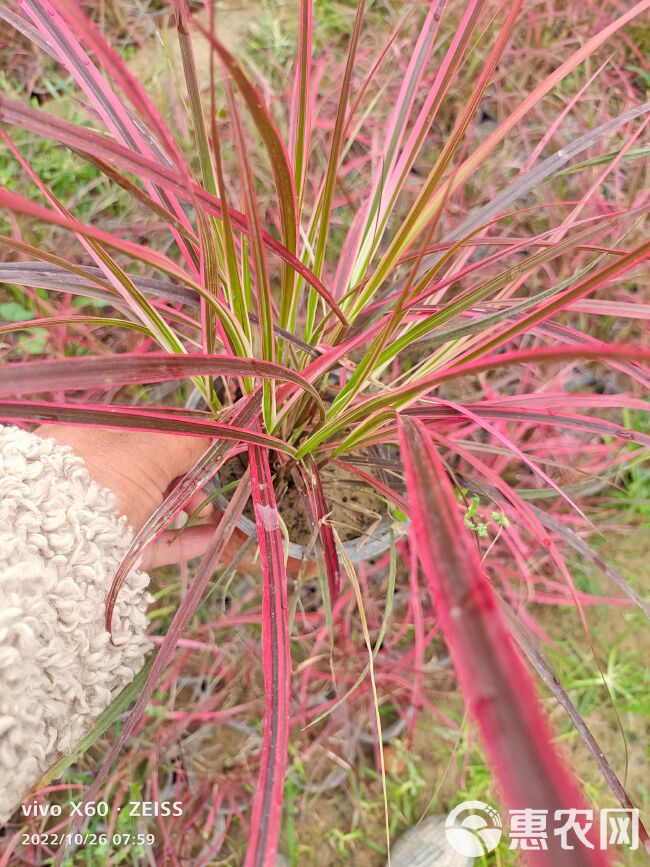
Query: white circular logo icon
(473, 828)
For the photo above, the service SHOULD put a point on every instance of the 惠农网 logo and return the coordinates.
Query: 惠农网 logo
(473, 828)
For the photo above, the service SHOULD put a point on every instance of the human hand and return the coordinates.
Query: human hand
(140, 468)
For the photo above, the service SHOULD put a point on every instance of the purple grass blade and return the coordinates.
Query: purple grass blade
(30, 377)
(599, 427)
(126, 418)
(81, 281)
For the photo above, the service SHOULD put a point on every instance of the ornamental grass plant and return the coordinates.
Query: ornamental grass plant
(416, 367)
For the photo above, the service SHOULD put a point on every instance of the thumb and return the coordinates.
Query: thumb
(177, 451)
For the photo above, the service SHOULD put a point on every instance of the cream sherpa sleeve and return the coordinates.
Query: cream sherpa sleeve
(61, 541)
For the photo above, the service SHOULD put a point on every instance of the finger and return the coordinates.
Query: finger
(174, 546)
(199, 509)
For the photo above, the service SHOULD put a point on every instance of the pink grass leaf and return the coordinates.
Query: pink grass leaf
(49, 17)
(542, 312)
(267, 805)
(494, 681)
(122, 76)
